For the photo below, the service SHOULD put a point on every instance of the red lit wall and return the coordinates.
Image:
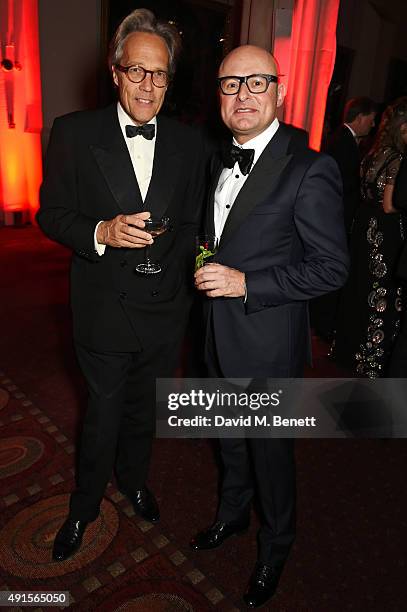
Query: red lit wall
(312, 48)
(20, 109)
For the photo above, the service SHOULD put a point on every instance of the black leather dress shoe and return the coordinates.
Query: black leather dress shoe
(215, 535)
(262, 584)
(68, 539)
(145, 505)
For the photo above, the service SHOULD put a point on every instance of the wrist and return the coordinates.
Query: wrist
(244, 288)
(102, 233)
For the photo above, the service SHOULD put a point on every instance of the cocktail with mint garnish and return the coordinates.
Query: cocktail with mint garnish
(206, 246)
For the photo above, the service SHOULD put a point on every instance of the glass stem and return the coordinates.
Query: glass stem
(146, 255)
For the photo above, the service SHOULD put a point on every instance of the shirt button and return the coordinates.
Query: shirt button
(237, 176)
(154, 293)
(123, 295)
(227, 205)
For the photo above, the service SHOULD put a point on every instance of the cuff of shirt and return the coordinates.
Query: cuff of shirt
(245, 292)
(99, 248)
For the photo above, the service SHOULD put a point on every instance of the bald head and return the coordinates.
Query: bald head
(245, 113)
(250, 53)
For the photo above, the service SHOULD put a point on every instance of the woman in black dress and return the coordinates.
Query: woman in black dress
(371, 306)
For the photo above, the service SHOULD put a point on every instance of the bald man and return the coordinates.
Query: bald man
(276, 208)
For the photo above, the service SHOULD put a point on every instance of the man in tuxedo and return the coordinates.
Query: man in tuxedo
(277, 209)
(358, 119)
(343, 146)
(108, 171)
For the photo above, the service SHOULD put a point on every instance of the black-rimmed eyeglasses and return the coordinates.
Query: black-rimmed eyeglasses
(136, 74)
(255, 83)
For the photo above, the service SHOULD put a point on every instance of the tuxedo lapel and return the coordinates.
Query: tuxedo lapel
(112, 156)
(210, 210)
(166, 168)
(259, 183)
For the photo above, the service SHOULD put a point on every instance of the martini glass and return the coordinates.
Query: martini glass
(154, 226)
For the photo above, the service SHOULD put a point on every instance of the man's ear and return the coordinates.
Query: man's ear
(281, 91)
(114, 76)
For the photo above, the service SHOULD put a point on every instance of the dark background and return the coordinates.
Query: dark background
(208, 31)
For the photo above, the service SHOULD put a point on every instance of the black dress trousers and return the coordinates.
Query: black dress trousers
(264, 465)
(119, 423)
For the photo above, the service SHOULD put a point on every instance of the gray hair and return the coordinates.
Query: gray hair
(143, 20)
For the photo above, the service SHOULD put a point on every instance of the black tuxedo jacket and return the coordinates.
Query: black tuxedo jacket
(345, 151)
(88, 178)
(286, 232)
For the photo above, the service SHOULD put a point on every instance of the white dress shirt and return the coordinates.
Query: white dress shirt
(141, 153)
(232, 180)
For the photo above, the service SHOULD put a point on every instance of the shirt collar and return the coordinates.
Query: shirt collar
(351, 131)
(125, 119)
(259, 142)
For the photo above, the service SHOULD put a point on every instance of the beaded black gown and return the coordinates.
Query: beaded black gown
(371, 306)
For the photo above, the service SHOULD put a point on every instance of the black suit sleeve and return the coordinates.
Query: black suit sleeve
(345, 152)
(343, 148)
(318, 220)
(59, 216)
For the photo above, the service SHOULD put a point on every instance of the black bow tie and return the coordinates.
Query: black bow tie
(244, 157)
(147, 130)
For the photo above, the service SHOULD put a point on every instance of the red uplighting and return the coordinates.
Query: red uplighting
(20, 107)
(312, 59)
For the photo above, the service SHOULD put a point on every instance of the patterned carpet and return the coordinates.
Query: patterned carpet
(351, 493)
(124, 563)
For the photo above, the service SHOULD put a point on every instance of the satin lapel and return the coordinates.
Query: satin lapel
(166, 168)
(113, 159)
(210, 209)
(259, 184)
